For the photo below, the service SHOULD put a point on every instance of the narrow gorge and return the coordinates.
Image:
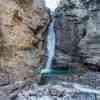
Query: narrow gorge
(58, 39)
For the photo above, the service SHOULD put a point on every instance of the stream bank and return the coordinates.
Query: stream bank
(85, 88)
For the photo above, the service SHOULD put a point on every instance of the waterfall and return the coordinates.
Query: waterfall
(50, 48)
(50, 45)
(51, 36)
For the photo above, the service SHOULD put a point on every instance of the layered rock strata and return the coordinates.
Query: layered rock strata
(77, 32)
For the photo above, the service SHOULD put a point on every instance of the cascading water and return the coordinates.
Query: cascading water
(50, 47)
(50, 53)
(50, 41)
(51, 36)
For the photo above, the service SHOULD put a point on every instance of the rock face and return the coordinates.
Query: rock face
(23, 24)
(90, 43)
(77, 32)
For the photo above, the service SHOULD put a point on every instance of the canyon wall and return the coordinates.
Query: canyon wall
(23, 26)
(77, 32)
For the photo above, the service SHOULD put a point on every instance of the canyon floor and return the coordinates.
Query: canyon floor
(83, 88)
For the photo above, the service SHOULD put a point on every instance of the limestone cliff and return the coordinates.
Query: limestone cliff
(23, 26)
(77, 32)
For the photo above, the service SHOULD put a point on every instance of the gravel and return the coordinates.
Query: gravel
(86, 88)
(54, 92)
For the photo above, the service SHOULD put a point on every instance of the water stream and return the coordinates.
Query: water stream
(51, 34)
(50, 47)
